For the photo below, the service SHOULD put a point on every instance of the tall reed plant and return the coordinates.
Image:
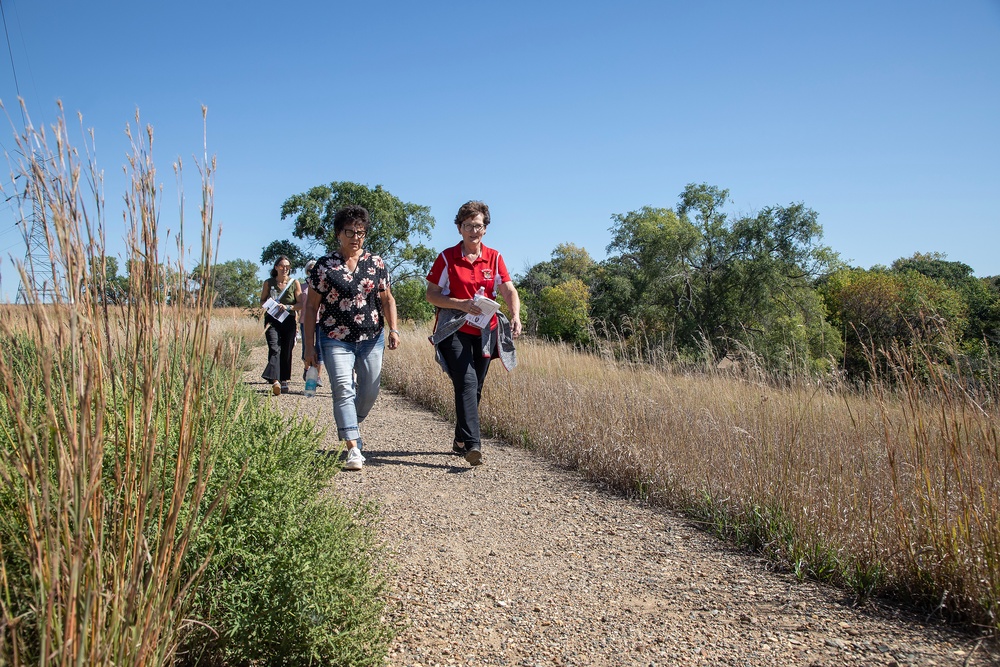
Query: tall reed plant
(104, 458)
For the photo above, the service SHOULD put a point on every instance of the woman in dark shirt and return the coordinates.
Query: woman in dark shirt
(349, 289)
(280, 335)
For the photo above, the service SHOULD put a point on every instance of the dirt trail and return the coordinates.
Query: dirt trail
(520, 562)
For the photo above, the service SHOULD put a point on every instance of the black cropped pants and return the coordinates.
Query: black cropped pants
(467, 368)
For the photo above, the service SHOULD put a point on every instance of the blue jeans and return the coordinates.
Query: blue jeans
(355, 370)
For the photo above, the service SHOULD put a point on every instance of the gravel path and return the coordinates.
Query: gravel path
(521, 562)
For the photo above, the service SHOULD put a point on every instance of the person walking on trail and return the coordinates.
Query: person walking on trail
(350, 297)
(315, 341)
(459, 279)
(278, 295)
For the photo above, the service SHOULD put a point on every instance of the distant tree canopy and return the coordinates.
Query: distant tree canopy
(395, 231)
(233, 284)
(704, 280)
(981, 296)
(108, 286)
(555, 295)
(275, 249)
(411, 303)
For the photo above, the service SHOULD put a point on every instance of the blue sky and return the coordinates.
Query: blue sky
(882, 115)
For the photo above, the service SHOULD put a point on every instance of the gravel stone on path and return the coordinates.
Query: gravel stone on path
(521, 562)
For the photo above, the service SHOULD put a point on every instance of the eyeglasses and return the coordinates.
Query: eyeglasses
(352, 233)
(284, 266)
(474, 229)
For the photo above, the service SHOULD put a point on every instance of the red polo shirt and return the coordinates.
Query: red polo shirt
(459, 278)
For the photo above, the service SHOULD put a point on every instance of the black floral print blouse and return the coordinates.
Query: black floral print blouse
(350, 308)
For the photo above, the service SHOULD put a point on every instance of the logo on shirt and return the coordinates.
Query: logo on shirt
(487, 274)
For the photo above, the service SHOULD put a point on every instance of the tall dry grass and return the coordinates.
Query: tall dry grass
(890, 491)
(104, 455)
(239, 324)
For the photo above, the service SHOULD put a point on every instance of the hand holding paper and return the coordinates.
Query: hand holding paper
(275, 310)
(489, 308)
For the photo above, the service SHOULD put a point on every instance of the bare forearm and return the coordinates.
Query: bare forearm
(436, 298)
(509, 294)
(389, 312)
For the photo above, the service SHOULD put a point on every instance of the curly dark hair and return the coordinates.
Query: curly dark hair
(471, 208)
(353, 213)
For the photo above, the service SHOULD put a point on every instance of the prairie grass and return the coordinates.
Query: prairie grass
(891, 490)
(100, 503)
(151, 510)
(239, 324)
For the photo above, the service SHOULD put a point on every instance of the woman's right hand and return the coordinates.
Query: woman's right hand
(310, 358)
(471, 308)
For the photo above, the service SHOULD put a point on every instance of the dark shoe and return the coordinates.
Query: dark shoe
(458, 448)
(474, 457)
(284, 387)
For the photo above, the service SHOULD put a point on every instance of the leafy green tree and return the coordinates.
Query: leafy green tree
(395, 231)
(109, 287)
(233, 284)
(296, 256)
(562, 312)
(647, 277)
(799, 337)
(411, 302)
(877, 309)
(982, 302)
(701, 277)
(157, 283)
(568, 263)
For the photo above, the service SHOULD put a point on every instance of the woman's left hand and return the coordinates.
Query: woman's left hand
(393, 340)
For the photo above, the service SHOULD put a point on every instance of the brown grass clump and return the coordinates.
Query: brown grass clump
(890, 491)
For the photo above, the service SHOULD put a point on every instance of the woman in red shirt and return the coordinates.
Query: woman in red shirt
(465, 350)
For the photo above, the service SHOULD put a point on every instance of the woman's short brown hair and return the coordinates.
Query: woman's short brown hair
(470, 209)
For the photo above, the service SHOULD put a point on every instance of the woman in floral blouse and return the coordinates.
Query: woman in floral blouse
(349, 290)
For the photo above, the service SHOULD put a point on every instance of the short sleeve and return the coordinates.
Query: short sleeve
(438, 271)
(313, 278)
(502, 269)
(384, 281)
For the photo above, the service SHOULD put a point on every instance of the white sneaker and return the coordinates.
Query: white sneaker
(354, 459)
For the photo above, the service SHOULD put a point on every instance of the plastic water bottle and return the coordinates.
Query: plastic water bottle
(312, 379)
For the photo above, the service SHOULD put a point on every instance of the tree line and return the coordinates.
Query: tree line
(706, 285)
(694, 280)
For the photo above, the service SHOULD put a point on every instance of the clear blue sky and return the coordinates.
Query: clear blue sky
(881, 115)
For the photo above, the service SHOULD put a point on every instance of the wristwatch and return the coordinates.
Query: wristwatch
(394, 331)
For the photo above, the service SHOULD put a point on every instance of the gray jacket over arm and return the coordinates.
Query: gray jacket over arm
(450, 320)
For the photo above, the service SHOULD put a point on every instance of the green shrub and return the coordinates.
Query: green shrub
(292, 578)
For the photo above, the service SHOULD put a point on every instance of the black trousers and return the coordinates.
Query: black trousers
(280, 337)
(467, 367)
